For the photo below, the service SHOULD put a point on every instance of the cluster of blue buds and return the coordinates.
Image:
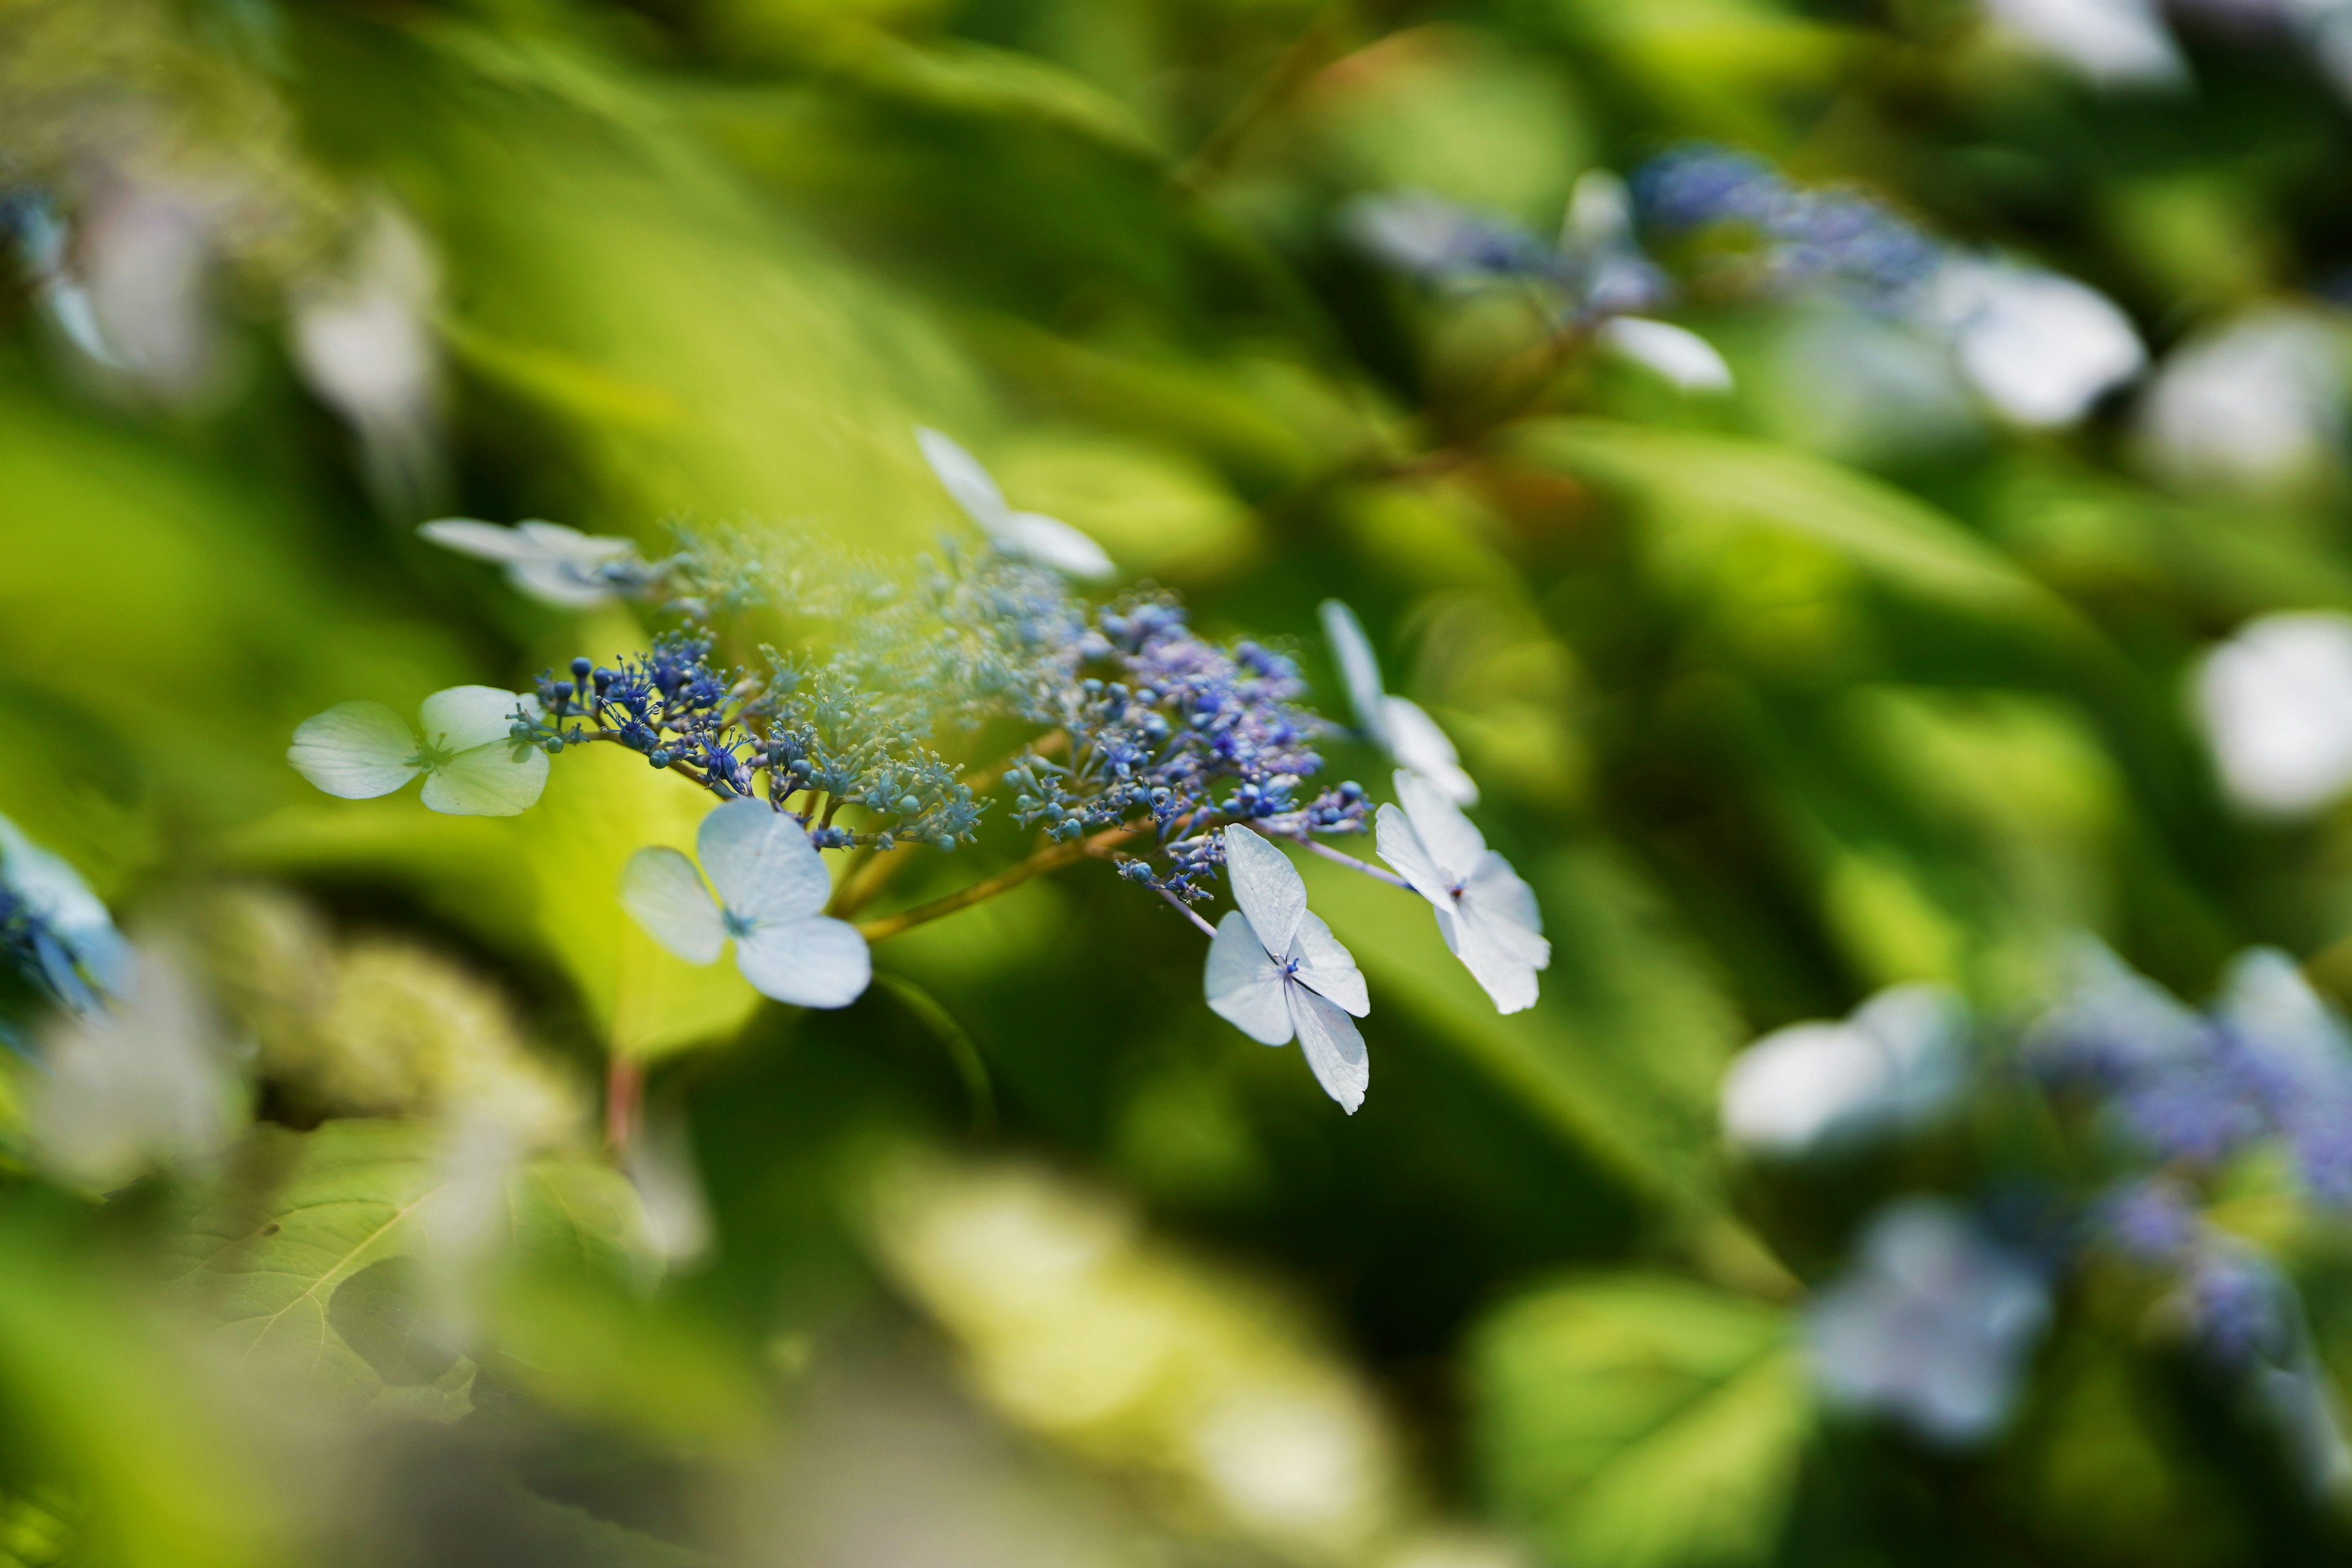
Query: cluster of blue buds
(1833, 237)
(1186, 735)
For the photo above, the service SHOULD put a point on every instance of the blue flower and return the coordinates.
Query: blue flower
(54, 928)
(1487, 914)
(1032, 536)
(473, 763)
(1932, 1324)
(771, 892)
(1274, 970)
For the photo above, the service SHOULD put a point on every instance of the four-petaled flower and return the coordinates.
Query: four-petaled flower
(1032, 536)
(473, 763)
(1487, 914)
(1276, 970)
(551, 562)
(771, 887)
(1395, 724)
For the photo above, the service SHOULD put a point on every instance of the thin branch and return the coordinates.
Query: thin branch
(1053, 857)
(1377, 873)
(1190, 913)
(1292, 69)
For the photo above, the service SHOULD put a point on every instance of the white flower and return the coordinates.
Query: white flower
(1486, 913)
(2255, 407)
(2038, 347)
(1894, 1063)
(1047, 540)
(551, 562)
(74, 936)
(1683, 357)
(1276, 970)
(1396, 725)
(472, 766)
(772, 886)
(2113, 43)
(2275, 704)
(129, 1087)
(1932, 1325)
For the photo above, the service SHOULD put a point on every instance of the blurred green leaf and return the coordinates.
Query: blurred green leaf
(264, 1252)
(1641, 1423)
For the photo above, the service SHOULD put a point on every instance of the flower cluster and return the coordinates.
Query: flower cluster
(1185, 735)
(1139, 727)
(1804, 236)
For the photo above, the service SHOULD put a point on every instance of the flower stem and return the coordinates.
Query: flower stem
(1376, 873)
(624, 1084)
(1053, 857)
(1190, 913)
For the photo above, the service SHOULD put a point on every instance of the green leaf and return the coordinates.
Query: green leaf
(1641, 1423)
(267, 1252)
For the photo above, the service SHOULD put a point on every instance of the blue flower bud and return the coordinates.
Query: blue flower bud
(908, 805)
(553, 744)
(581, 669)
(658, 756)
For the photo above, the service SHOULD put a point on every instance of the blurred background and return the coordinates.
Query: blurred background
(1863, 481)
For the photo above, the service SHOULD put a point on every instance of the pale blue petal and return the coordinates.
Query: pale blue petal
(965, 480)
(464, 717)
(1417, 743)
(664, 894)
(1327, 968)
(1266, 886)
(1334, 1050)
(1360, 669)
(1050, 541)
(1242, 985)
(355, 751)
(815, 962)
(1402, 847)
(1452, 841)
(761, 862)
(502, 779)
(482, 541)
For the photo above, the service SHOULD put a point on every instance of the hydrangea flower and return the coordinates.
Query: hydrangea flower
(1932, 1325)
(1684, 358)
(473, 761)
(2040, 347)
(771, 889)
(54, 928)
(1029, 535)
(1395, 724)
(2275, 703)
(1896, 1063)
(1274, 970)
(548, 562)
(1487, 914)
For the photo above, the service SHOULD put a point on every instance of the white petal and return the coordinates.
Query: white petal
(464, 717)
(1498, 897)
(558, 582)
(1402, 847)
(1682, 357)
(664, 894)
(355, 749)
(1327, 968)
(1243, 985)
(1050, 541)
(965, 480)
(1267, 887)
(503, 778)
(2114, 43)
(1451, 839)
(1334, 1050)
(1416, 742)
(482, 541)
(811, 963)
(762, 864)
(1360, 669)
(2037, 346)
(2275, 703)
(1790, 1090)
(1496, 962)
(557, 542)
